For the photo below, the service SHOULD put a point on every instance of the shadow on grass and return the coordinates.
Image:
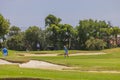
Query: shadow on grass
(22, 79)
(15, 61)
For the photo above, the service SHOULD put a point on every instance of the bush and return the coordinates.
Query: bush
(95, 44)
(16, 42)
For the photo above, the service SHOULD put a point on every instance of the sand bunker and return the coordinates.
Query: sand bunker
(46, 65)
(4, 62)
(42, 65)
(36, 64)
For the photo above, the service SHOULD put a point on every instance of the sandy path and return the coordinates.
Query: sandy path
(27, 54)
(96, 53)
(103, 71)
(76, 54)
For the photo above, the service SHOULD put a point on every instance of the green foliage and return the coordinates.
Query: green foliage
(14, 30)
(95, 44)
(55, 34)
(90, 28)
(52, 22)
(116, 31)
(32, 37)
(51, 19)
(15, 39)
(16, 42)
(66, 33)
(4, 26)
(59, 34)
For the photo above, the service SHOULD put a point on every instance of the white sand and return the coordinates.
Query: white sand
(103, 71)
(42, 65)
(96, 53)
(4, 62)
(36, 64)
(76, 54)
(27, 54)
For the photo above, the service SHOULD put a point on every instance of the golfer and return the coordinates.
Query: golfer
(5, 51)
(66, 51)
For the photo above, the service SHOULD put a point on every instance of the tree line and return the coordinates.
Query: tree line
(89, 34)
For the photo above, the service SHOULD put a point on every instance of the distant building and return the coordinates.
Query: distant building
(118, 40)
(113, 42)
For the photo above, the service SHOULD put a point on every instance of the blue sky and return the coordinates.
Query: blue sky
(25, 13)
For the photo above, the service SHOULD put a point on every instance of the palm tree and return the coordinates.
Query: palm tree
(116, 31)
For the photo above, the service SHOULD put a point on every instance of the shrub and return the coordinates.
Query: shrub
(95, 44)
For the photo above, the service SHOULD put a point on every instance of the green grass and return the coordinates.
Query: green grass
(84, 63)
(105, 62)
(15, 71)
(109, 61)
(14, 57)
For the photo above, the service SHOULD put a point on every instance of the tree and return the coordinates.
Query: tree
(85, 30)
(106, 35)
(32, 37)
(52, 26)
(16, 42)
(4, 26)
(14, 30)
(43, 39)
(91, 28)
(53, 32)
(95, 44)
(64, 35)
(59, 34)
(116, 31)
(51, 19)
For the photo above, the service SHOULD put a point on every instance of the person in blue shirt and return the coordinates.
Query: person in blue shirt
(66, 51)
(5, 51)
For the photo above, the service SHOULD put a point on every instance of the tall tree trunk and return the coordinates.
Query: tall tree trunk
(116, 40)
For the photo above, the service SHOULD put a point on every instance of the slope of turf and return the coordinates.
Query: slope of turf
(109, 61)
(15, 72)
